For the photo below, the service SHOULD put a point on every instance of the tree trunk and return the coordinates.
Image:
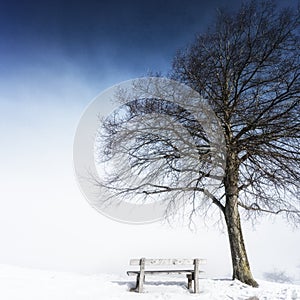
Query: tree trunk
(240, 263)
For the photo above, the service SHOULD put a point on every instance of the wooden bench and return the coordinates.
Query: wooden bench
(191, 272)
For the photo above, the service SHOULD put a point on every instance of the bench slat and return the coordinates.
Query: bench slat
(168, 262)
(162, 272)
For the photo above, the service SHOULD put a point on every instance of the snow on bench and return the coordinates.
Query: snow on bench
(192, 271)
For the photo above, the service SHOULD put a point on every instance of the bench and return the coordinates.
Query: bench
(191, 272)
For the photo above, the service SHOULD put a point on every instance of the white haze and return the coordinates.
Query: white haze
(46, 223)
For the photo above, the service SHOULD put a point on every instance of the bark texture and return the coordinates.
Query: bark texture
(240, 263)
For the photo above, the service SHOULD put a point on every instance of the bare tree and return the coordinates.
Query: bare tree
(247, 67)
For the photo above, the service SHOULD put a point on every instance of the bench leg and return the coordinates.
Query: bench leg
(196, 276)
(191, 278)
(134, 289)
(196, 285)
(190, 281)
(140, 283)
(137, 283)
(141, 275)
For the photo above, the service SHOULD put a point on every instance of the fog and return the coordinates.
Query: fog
(45, 221)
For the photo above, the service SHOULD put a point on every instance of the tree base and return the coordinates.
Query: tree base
(249, 281)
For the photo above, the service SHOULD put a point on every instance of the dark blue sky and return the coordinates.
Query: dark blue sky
(98, 39)
(135, 35)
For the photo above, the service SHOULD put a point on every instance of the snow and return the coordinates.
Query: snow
(31, 284)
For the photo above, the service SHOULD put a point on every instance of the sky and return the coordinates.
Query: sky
(55, 57)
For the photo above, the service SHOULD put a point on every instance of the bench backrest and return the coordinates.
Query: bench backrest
(166, 262)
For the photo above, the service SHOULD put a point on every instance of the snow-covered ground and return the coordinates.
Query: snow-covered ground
(29, 284)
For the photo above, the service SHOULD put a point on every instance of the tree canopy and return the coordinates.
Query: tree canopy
(247, 67)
